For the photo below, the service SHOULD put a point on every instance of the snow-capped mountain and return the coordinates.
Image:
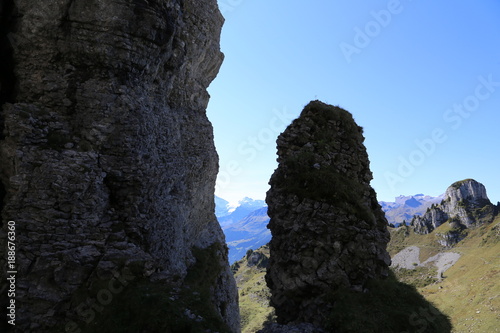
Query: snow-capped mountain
(249, 233)
(405, 207)
(245, 225)
(249, 203)
(222, 207)
(228, 214)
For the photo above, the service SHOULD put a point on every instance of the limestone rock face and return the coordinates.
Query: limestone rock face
(465, 204)
(257, 259)
(328, 230)
(108, 164)
(470, 190)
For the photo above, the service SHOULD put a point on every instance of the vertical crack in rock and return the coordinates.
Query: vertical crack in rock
(328, 230)
(109, 164)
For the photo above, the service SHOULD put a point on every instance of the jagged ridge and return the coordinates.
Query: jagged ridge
(465, 205)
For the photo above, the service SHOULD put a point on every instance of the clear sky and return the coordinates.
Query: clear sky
(421, 77)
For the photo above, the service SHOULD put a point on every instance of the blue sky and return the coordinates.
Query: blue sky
(421, 77)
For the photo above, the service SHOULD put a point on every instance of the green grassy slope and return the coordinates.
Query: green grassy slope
(470, 291)
(386, 306)
(253, 293)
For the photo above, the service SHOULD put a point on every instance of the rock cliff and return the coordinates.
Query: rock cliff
(328, 231)
(107, 161)
(465, 205)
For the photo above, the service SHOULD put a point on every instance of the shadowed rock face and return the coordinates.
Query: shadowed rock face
(107, 158)
(328, 231)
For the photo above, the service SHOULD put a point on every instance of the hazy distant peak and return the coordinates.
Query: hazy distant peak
(413, 202)
(406, 206)
(222, 207)
(410, 199)
(250, 201)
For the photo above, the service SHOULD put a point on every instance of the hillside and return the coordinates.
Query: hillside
(451, 253)
(468, 291)
(253, 293)
(460, 279)
(386, 306)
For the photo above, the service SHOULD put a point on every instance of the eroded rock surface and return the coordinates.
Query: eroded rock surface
(107, 159)
(465, 205)
(328, 231)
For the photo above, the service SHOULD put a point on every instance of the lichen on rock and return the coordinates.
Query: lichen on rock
(328, 230)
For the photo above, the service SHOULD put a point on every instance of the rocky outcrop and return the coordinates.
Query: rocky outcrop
(405, 207)
(328, 231)
(468, 189)
(107, 159)
(429, 221)
(465, 205)
(257, 259)
(452, 236)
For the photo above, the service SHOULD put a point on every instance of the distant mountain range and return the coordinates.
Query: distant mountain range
(249, 233)
(448, 253)
(227, 214)
(405, 207)
(222, 207)
(245, 224)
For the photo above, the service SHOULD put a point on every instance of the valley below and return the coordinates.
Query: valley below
(462, 282)
(465, 289)
(458, 278)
